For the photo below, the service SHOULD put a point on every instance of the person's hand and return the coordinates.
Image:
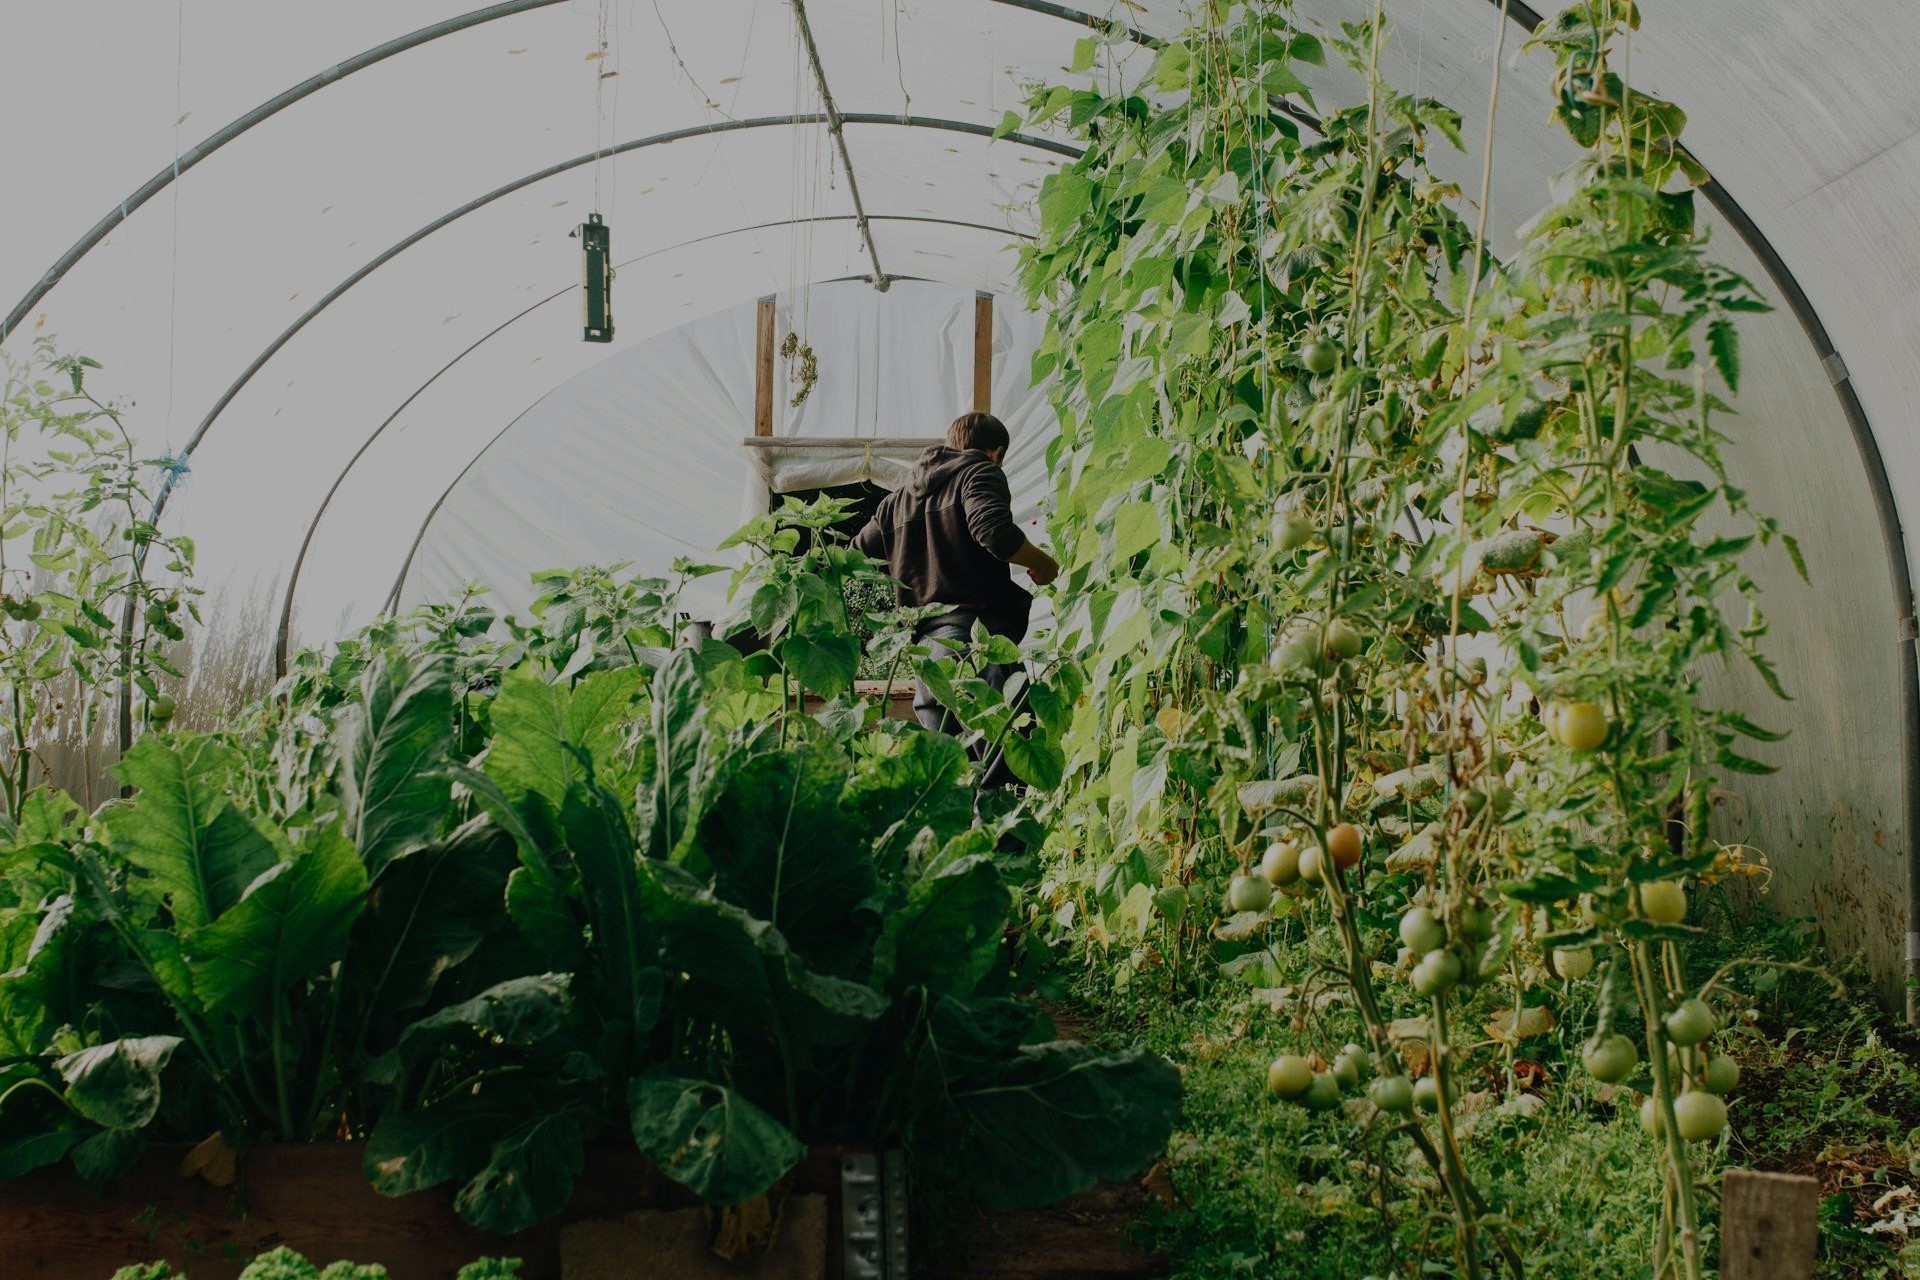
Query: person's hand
(1044, 572)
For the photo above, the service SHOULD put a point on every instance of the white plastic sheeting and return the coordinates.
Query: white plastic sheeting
(642, 458)
(1807, 114)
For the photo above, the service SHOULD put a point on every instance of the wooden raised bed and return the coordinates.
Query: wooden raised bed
(316, 1199)
(625, 1222)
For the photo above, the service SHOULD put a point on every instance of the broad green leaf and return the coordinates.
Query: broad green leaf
(601, 844)
(917, 781)
(948, 934)
(539, 896)
(823, 664)
(293, 923)
(781, 846)
(21, 1155)
(740, 974)
(117, 1085)
(1136, 526)
(198, 852)
(433, 909)
(520, 1011)
(37, 982)
(1035, 758)
(528, 1176)
(1051, 1121)
(108, 1153)
(392, 745)
(678, 735)
(541, 732)
(708, 1138)
(410, 1151)
(1166, 201)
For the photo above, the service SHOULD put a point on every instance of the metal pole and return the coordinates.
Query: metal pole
(219, 138)
(834, 123)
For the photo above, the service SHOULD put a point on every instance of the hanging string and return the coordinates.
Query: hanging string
(899, 63)
(600, 76)
(1419, 53)
(173, 268)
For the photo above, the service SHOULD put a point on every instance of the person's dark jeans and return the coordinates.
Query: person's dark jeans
(949, 640)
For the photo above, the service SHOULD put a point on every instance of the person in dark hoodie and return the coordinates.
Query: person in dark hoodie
(948, 537)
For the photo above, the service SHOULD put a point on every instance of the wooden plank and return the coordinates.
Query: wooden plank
(1769, 1224)
(316, 1199)
(763, 371)
(983, 352)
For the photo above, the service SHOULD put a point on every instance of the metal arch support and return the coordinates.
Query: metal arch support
(1082, 18)
(1886, 510)
(518, 184)
(400, 580)
(341, 70)
(659, 139)
(283, 631)
(233, 129)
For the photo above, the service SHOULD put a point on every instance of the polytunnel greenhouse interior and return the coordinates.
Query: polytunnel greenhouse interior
(964, 638)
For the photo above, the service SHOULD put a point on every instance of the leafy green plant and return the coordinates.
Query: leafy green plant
(283, 1263)
(444, 865)
(1337, 494)
(87, 616)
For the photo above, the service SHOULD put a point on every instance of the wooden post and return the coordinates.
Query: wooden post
(983, 352)
(1769, 1223)
(763, 370)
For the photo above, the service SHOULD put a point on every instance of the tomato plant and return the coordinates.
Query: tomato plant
(93, 612)
(1381, 549)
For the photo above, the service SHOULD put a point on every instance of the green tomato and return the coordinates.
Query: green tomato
(1352, 1066)
(1317, 356)
(1572, 963)
(1392, 1094)
(1721, 1075)
(1323, 1094)
(1699, 1116)
(1249, 893)
(1579, 726)
(1289, 1075)
(1281, 865)
(1422, 931)
(1610, 1059)
(1298, 652)
(1502, 799)
(1438, 971)
(1650, 1117)
(1426, 1094)
(1663, 901)
(1475, 922)
(1690, 1021)
(1290, 533)
(161, 709)
(1341, 640)
(1311, 860)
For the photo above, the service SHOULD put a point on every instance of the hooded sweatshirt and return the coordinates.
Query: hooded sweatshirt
(946, 536)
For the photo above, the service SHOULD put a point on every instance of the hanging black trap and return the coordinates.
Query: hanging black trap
(596, 239)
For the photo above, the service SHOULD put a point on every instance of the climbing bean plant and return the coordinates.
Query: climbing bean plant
(1393, 570)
